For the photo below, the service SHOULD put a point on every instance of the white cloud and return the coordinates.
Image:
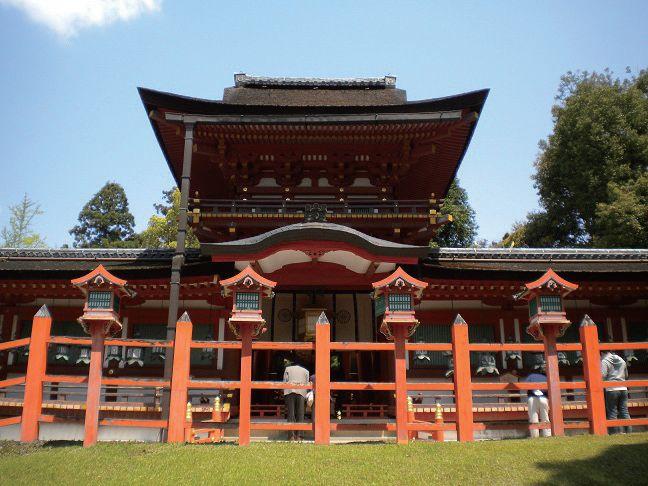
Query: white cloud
(67, 17)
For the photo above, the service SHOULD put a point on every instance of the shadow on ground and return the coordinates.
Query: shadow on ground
(617, 464)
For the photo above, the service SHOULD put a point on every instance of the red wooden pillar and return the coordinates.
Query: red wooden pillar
(592, 371)
(36, 368)
(462, 381)
(180, 379)
(245, 391)
(400, 377)
(93, 397)
(322, 380)
(553, 380)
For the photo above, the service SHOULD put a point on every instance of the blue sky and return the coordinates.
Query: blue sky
(72, 119)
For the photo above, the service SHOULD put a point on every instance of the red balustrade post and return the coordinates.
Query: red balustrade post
(93, 394)
(36, 368)
(400, 377)
(462, 380)
(245, 391)
(592, 373)
(553, 380)
(180, 379)
(322, 380)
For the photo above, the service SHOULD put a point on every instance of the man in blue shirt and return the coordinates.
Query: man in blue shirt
(538, 404)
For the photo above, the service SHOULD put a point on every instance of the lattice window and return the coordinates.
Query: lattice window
(247, 301)
(99, 300)
(533, 307)
(551, 303)
(400, 302)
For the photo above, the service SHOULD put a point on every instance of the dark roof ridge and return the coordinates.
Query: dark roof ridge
(539, 253)
(92, 253)
(251, 81)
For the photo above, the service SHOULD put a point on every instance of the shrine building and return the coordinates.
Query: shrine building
(314, 201)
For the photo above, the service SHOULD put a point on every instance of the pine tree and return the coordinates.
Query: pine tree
(105, 220)
(462, 230)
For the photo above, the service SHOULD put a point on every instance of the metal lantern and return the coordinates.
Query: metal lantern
(422, 355)
(103, 293)
(113, 353)
(449, 363)
(207, 353)
(62, 352)
(134, 357)
(630, 356)
(398, 291)
(158, 353)
(539, 363)
(84, 356)
(247, 289)
(546, 307)
(512, 355)
(487, 364)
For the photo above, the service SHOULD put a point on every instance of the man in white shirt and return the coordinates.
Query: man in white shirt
(295, 397)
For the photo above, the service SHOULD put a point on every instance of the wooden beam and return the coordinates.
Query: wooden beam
(592, 374)
(180, 379)
(553, 380)
(93, 397)
(245, 391)
(462, 381)
(36, 368)
(322, 404)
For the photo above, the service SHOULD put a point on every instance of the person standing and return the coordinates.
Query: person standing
(538, 404)
(295, 398)
(613, 368)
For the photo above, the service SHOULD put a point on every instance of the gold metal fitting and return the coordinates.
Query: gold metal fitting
(438, 413)
(410, 404)
(217, 404)
(189, 414)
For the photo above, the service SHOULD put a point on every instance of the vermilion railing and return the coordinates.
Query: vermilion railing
(462, 387)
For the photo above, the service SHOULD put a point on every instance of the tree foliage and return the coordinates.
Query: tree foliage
(591, 171)
(19, 233)
(162, 227)
(105, 220)
(462, 230)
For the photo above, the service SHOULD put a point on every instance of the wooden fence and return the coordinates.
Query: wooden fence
(405, 425)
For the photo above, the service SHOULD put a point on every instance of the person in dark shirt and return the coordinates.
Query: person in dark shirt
(538, 404)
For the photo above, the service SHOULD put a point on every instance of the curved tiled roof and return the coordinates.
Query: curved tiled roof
(313, 231)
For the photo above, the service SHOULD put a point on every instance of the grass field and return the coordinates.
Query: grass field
(620, 459)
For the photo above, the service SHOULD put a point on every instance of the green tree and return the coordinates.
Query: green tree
(105, 220)
(590, 172)
(162, 228)
(19, 233)
(462, 230)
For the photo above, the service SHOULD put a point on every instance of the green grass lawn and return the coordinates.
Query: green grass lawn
(620, 459)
